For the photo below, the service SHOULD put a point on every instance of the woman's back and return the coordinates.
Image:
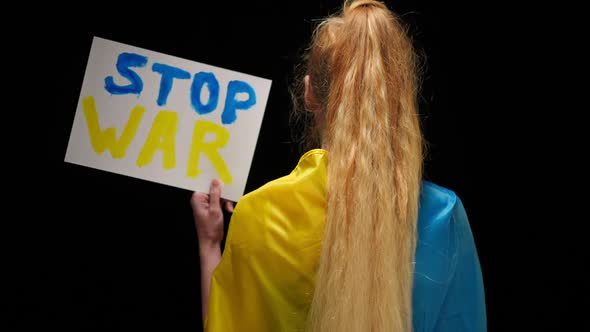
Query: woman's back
(359, 243)
(266, 279)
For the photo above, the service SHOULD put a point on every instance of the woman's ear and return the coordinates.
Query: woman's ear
(308, 95)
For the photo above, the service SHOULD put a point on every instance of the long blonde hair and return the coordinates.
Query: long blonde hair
(363, 73)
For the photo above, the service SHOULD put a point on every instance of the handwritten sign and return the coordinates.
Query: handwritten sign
(165, 119)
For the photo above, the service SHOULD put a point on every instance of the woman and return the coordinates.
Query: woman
(353, 239)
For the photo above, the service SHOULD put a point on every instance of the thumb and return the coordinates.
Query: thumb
(215, 195)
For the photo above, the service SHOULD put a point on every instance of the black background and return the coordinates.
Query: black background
(105, 252)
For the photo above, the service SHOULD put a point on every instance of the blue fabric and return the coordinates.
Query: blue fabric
(448, 285)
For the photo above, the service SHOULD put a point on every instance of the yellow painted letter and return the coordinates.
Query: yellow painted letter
(161, 137)
(203, 127)
(107, 139)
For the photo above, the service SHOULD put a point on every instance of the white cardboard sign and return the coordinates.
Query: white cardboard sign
(165, 119)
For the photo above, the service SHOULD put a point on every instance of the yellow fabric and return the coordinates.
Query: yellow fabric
(266, 277)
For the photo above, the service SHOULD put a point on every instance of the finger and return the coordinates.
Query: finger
(199, 199)
(229, 206)
(215, 195)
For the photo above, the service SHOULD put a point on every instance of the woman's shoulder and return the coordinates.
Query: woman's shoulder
(446, 263)
(434, 195)
(441, 217)
(289, 203)
(437, 204)
(442, 224)
(308, 178)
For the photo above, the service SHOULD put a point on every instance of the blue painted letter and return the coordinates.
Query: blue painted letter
(201, 79)
(169, 73)
(124, 61)
(231, 104)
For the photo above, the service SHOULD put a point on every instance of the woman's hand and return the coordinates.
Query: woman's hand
(209, 223)
(208, 216)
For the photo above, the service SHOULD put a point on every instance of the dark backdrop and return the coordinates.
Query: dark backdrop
(105, 252)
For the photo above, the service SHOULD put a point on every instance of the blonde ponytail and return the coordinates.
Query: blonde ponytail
(362, 68)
